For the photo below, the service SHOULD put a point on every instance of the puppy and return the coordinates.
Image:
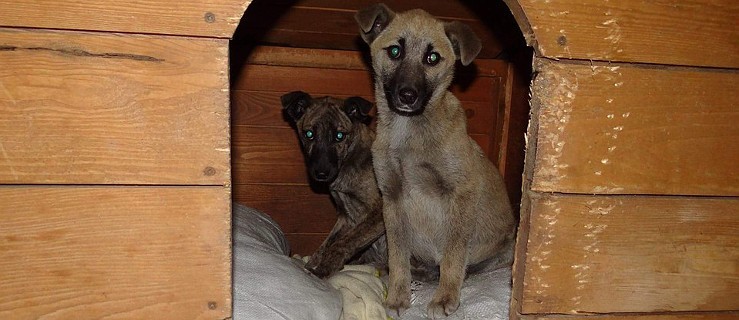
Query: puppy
(336, 142)
(444, 202)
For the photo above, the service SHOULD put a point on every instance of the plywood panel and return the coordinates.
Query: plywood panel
(261, 108)
(313, 27)
(677, 32)
(622, 129)
(83, 108)
(267, 155)
(213, 18)
(115, 252)
(296, 208)
(441, 8)
(607, 254)
(339, 82)
(354, 60)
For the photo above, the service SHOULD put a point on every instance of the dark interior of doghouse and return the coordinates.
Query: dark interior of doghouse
(314, 46)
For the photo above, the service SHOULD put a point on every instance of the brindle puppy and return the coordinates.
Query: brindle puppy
(336, 142)
(444, 202)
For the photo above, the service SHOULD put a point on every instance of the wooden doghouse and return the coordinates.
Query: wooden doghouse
(116, 157)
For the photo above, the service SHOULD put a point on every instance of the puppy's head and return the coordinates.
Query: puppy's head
(413, 54)
(326, 128)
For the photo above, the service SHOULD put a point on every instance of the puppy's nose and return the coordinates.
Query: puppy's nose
(407, 95)
(321, 176)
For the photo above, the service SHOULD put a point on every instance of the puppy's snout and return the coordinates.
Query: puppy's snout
(408, 95)
(321, 175)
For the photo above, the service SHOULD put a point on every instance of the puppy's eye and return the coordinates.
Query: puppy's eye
(432, 58)
(394, 52)
(340, 136)
(309, 134)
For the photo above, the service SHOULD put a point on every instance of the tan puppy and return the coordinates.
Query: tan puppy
(444, 202)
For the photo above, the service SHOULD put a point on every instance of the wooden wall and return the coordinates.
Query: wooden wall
(631, 197)
(115, 160)
(268, 167)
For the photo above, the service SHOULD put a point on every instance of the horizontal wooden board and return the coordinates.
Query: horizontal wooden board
(652, 316)
(342, 59)
(305, 244)
(272, 155)
(440, 8)
(267, 155)
(84, 108)
(296, 208)
(115, 252)
(310, 27)
(262, 108)
(622, 129)
(675, 32)
(343, 82)
(603, 254)
(213, 18)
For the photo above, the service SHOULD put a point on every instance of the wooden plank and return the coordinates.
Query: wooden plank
(603, 254)
(296, 208)
(260, 108)
(83, 108)
(343, 82)
(305, 244)
(115, 252)
(673, 316)
(514, 122)
(213, 18)
(621, 129)
(309, 27)
(676, 32)
(267, 155)
(272, 155)
(440, 8)
(342, 59)
(263, 108)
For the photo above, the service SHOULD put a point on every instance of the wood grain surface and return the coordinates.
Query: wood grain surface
(625, 129)
(674, 32)
(611, 254)
(84, 108)
(212, 18)
(115, 252)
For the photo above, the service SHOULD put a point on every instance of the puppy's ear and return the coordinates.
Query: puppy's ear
(357, 109)
(295, 103)
(466, 44)
(373, 20)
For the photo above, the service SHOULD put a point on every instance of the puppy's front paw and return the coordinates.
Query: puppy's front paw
(443, 304)
(399, 298)
(323, 266)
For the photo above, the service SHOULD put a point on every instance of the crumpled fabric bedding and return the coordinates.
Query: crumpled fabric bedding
(485, 295)
(268, 284)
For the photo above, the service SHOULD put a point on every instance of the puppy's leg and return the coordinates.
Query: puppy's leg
(454, 262)
(399, 261)
(348, 243)
(340, 228)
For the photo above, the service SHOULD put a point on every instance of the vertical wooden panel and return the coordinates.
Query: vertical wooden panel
(115, 252)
